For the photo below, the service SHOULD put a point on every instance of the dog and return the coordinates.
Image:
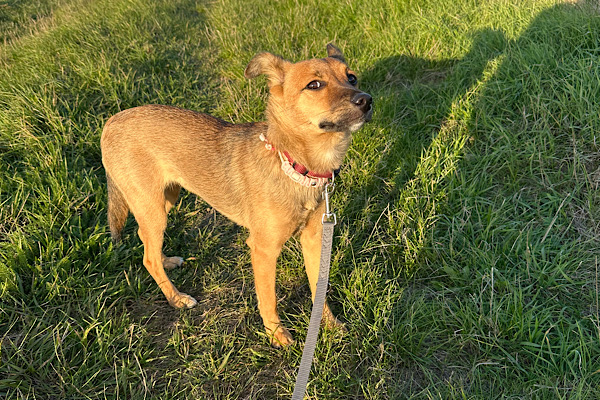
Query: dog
(266, 176)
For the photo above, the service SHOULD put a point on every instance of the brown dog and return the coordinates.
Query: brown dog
(252, 173)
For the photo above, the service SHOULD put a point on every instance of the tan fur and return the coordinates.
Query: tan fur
(151, 152)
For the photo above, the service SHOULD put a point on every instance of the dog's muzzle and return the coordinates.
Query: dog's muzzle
(352, 119)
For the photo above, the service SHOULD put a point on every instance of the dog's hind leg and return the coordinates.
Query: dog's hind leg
(152, 221)
(171, 195)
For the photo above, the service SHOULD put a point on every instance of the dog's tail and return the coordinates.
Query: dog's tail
(118, 210)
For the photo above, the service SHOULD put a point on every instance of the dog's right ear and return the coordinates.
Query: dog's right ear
(268, 64)
(334, 52)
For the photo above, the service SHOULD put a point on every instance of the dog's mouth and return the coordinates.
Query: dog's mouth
(351, 124)
(327, 126)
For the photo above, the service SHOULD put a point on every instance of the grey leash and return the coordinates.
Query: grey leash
(329, 220)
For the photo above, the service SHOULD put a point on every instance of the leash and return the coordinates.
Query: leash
(328, 220)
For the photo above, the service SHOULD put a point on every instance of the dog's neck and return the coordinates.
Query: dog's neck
(318, 151)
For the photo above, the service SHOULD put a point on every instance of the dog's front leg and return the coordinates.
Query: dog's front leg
(310, 238)
(265, 251)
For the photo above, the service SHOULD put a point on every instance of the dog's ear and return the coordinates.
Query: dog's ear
(268, 64)
(334, 52)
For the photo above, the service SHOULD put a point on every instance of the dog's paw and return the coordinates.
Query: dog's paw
(182, 300)
(172, 262)
(281, 337)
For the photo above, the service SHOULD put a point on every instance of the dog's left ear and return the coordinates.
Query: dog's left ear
(334, 52)
(268, 64)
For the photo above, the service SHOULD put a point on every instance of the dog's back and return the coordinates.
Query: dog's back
(149, 150)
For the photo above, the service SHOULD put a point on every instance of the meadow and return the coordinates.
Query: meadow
(466, 256)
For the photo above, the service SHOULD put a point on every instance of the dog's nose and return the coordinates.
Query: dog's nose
(363, 101)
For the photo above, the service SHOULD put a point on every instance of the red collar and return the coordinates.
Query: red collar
(298, 172)
(301, 169)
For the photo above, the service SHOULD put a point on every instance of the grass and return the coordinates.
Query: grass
(466, 259)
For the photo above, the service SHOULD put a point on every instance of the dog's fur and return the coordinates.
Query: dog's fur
(151, 152)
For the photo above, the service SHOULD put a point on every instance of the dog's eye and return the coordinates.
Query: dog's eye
(314, 85)
(352, 79)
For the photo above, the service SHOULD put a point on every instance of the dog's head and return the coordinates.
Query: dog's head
(319, 93)
(316, 99)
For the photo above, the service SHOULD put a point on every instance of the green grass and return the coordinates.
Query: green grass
(466, 259)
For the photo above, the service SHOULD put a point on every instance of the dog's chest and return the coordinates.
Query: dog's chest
(306, 210)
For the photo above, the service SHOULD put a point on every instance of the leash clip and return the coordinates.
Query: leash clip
(329, 216)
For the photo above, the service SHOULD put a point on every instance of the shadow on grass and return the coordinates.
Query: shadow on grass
(414, 98)
(414, 101)
(521, 99)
